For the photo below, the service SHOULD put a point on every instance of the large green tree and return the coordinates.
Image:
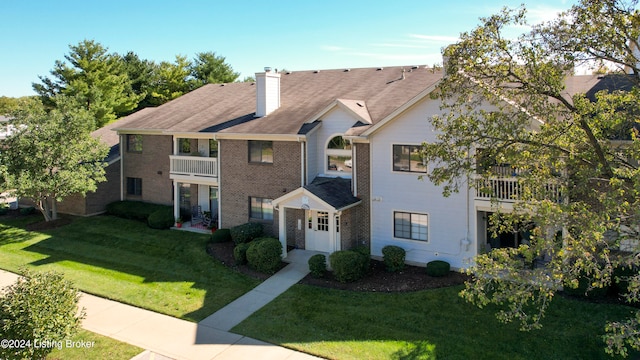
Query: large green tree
(171, 80)
(94, 76)
(209, 68)
(51, 154)
(505, 100)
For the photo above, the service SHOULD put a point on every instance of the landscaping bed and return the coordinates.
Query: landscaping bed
(412, 278)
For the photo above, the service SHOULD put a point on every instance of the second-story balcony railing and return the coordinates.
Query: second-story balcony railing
(193, 166)
(507, 189)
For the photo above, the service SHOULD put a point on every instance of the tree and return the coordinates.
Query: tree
(141, 73)
(171, 80)
(585, 145)
(52, 154)
(39, 310)
(95, 77)
(207, 68)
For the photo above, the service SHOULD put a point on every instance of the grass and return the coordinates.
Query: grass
(430, 324)
(101, 348)
(161, 270)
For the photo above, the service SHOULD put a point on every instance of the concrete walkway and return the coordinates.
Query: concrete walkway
(172, 338)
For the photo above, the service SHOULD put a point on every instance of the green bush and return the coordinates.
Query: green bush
(221, 235)
(438, 268)
(393, 257)
(318, 265)
(621, 275)
(583, 290)
(265, 255)
(240, 253)
(141, 211)
(364, 250)
(27, 210)
(246, 232)
(348, 265)
(39, 306)
(161, 218)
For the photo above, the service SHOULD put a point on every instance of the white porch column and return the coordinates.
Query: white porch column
(332, 231)
(175, 145)
(282, 230)
(176, 200)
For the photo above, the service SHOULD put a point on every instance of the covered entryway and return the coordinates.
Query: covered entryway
(323, 202)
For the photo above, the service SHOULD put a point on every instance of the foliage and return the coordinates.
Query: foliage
(221, 235)
(39, 307)
(348, 265)
(27, 210)
(438, 268)
(96, 78)
(137, 210)
(51, 155)
(265, 255)
(161, 218)
(246, 232)
(318, 265)
(171, 80)
(240, 253)
(508, 100)
(393, 257)
(208, 68)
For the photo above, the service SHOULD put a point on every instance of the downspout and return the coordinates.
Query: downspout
(219, 183)
(302, 161)
(354, 171)
(121, 169)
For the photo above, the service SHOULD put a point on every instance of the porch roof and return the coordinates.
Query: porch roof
(323, 193)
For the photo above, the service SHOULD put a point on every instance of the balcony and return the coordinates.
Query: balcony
(194, 169)
(507, 189)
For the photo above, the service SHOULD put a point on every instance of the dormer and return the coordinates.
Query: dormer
(267, 92)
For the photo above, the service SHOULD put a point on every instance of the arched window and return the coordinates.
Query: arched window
(338, 155)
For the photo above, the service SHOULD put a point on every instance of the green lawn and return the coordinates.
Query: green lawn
(161, 270)
(430, 324)
(101, 348)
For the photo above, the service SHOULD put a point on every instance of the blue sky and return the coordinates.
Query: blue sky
(292, 35)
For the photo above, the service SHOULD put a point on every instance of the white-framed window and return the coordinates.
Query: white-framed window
(407, 158)
(261, 209)
(260, 151)
(338, 155)
(413, 226)
(134, 143)
(134, 186)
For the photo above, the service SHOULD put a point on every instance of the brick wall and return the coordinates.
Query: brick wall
(361, 214)
(240, 179)
(152, 166)
(95, 202)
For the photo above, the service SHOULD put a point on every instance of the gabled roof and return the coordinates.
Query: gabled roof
(230, 108)
(324, 193)
(111, 138)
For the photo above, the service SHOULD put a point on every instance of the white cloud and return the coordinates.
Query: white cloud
(435, 38)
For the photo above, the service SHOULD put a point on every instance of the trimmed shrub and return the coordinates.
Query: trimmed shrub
(364, 250)
(39, 306)
(393, 257)
(438, 268)
(27, 210)
(348, 265)
(161, 218)
(221, 235)
(136, 210)
(265, 255)
(318, 265)
(245, 232)
(240, 253)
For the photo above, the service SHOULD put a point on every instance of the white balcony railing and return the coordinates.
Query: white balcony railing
(507, 189)
(195, 166)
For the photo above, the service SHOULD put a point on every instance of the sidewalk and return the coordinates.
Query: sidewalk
(180, 339)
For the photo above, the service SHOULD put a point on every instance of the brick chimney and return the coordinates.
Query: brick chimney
(267, 92)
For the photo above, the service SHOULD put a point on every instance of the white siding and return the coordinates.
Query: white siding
(335, 122)
(451, 220)
(312, 158)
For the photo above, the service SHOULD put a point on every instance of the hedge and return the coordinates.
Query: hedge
(240, 253)
(318, 265)
(438, 268)
(348, 265)
(265, 255)
(245, 232)
(161, 218)
(393, 257)
(221, 235)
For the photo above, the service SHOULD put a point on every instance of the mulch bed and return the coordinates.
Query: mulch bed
(412, 278)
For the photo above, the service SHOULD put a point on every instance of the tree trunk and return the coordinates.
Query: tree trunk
(43, 205)
(54, 209)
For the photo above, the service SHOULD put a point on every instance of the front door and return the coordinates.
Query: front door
(317, 236)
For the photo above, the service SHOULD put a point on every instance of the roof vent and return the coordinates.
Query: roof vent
(267, 68)
(316, 71)
(379, 69)
(288, 73)
(347, 70)
(415, 67)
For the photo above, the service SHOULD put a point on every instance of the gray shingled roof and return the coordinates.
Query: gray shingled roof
(230, 108)
(334, 191)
